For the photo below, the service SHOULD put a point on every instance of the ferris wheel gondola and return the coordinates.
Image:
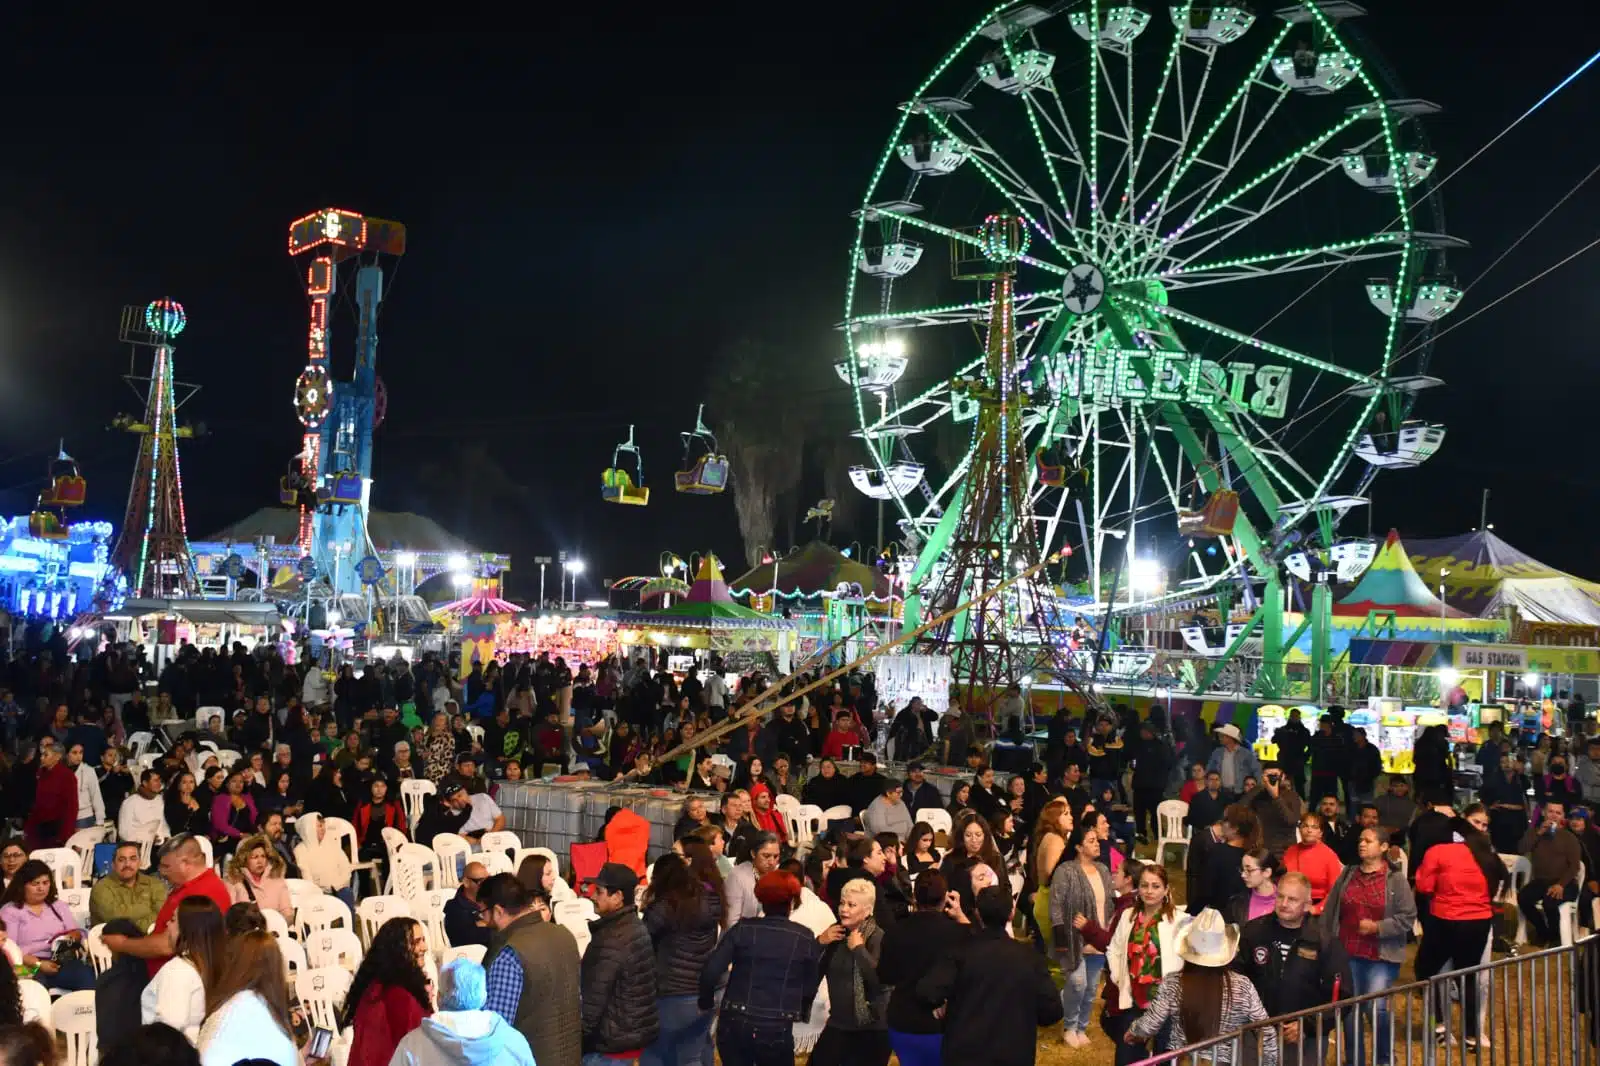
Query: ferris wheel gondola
(67, 486)
(616, 484)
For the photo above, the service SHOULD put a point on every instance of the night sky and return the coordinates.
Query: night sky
(594, 211)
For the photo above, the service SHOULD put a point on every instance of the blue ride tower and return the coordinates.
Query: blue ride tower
(334, 483)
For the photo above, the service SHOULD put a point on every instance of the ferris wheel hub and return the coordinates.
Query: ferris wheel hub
(1083, 289)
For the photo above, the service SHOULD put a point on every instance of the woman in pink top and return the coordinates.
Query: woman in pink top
(255, 875)
(233, 814)
(37, 920)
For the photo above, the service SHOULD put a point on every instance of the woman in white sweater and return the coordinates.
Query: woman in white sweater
(322, 858)
(176, 996)
(247, 1009)
(91, 806)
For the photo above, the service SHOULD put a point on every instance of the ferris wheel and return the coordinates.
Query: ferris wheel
(1196, 367)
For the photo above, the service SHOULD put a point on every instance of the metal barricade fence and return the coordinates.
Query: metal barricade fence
(1535, 1009)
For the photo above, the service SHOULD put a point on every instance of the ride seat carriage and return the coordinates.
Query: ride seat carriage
(616, 486)
(342, 490)
(47, 525)
(1214, 519)
(708, 475)
(67, 486)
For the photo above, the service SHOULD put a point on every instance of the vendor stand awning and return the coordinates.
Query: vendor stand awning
(236, 612)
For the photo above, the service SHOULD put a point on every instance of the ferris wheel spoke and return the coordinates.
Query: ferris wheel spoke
(1280, 194)
(1033, 110)
(1131, 207)
(1237, 106)
(1168, 311)
(1188, 275)
(1009, 191)
(1204, 209)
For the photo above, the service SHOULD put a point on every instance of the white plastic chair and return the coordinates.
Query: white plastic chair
(373, 911)
(321, 993)
(333, 947)
(65, 866)
(35, 1002)
(429, 910)
(277, 925)
(393, 839)
(938, 820)
(205, 714)
(83, 842)
(205, 847)
(504, 842)
(343, 831)
(294, 956)
(77, 901)
(574, 922)
(301, 892)
(100, 956)
(449, 847)
(412, 795)
(1521, 874)
(73, 1017)
(805, 825)
(1170, 828)
(227, 757)
(138, 744)
(475, 952)
(786, 803)
(476, 733)
(322, 913)
(839, 813)
(494, 862)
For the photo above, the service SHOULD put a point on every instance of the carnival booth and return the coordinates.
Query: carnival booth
(707, 620)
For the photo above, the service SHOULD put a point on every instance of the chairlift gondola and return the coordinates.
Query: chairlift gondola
(67, 486)
(1215, 517)
(707, 473)
(616, 484)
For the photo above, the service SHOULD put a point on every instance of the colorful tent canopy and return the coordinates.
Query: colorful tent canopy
(1392, 584)
(473, 606)
(708, 605)
(1487, 574)
(815, 569)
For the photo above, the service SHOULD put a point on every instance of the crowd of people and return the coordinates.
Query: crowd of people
(930, 946)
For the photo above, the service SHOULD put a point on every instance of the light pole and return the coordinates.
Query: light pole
(1443, 573)
(543, 561)
(574, 567)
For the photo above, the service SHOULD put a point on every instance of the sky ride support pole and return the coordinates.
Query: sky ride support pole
(1321, 623)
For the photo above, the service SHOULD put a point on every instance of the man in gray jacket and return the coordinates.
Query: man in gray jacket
(1586, 768)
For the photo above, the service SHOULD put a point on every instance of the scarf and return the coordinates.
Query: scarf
(866, 1010)
(769, 820)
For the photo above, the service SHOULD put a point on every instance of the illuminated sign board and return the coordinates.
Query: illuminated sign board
(1110, 377)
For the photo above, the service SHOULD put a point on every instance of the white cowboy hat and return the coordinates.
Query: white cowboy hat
(1208, 940)
(1230, 730)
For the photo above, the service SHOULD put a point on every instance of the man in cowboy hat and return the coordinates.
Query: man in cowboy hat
(1233, 762)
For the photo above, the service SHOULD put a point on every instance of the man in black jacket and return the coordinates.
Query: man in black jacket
(1295, 965)
(618, 979)
(1152, 766)
(787, 732)
(1293, 746)
(996, 992)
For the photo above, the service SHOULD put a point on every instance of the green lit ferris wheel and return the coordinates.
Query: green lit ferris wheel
(1200, 374)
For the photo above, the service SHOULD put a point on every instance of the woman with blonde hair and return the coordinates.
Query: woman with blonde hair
(1050, 834)
(247, 1010)
(857, 1031)
(255, 875)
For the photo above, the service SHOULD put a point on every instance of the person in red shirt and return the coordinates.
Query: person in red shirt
(1314, 859)
(1196, 782)
(844, 735)
(1460, 880)
(183, 864)
(54, 814)
(389, 996)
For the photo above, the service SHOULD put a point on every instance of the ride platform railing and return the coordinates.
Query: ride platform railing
(1535, 1009)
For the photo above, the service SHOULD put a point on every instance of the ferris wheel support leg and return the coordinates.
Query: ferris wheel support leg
(1321, 624)
(1270, 679)
(1214, 671)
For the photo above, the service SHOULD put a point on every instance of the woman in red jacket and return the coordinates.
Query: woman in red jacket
(1314, 859)
(1460, 881)
(389, 996)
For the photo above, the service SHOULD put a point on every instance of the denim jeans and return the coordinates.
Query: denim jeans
(1368, 976)
(685, 1038)
(1077, 995)
(594, 1058)
(917, 1049)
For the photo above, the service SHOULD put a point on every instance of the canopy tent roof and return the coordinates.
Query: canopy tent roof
(1487, 574)
(707, 606)
(239, 612)
(1392, 584)
(813, 570)
(388, 529)
(473, 606)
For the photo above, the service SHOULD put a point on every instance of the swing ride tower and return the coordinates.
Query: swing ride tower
(335, 459)
(153, 546)
(987, 536)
